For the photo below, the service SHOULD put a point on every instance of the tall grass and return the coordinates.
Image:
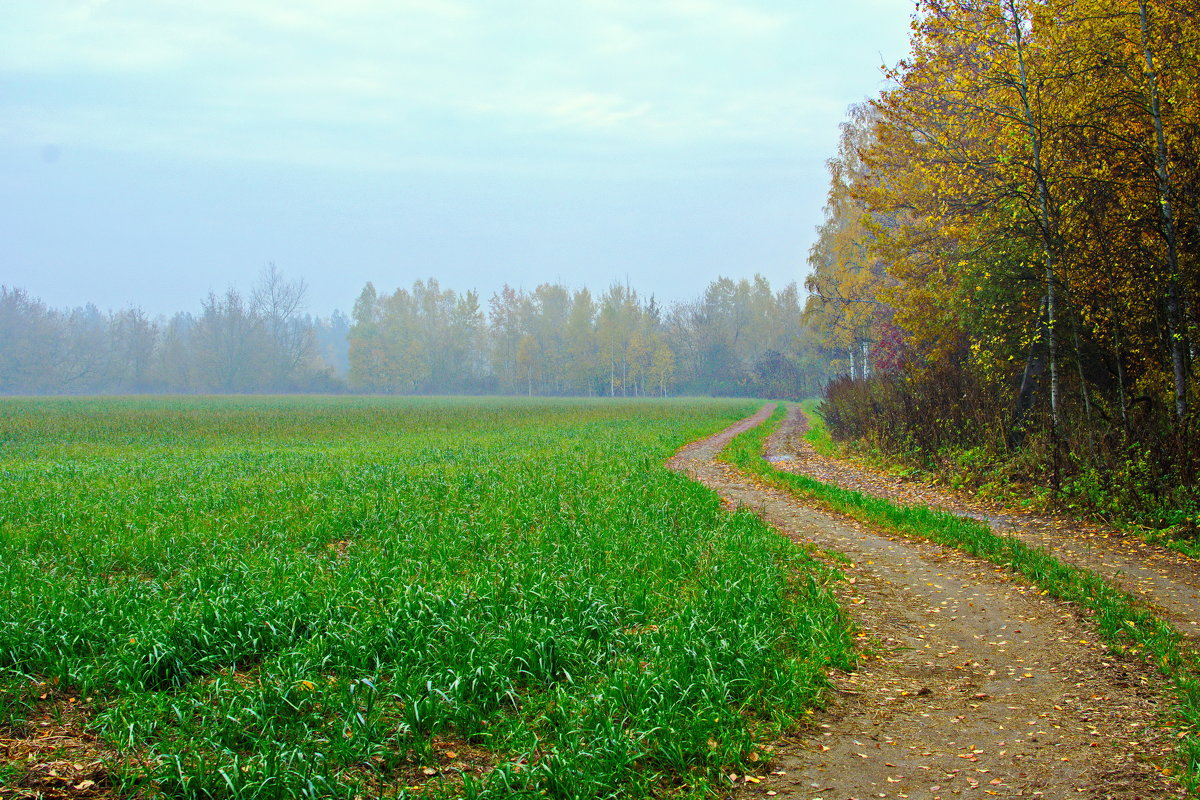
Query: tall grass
(314, 597)
(1123, 622)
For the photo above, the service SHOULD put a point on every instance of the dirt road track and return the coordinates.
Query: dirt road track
(1167, 580)
(976, 685)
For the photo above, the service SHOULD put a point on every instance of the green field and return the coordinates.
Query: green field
(341, 597)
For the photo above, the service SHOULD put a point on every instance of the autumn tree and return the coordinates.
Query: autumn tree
(1018, 213)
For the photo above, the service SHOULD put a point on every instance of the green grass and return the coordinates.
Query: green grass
(817, 434)
(1123, 623)
(318, 597)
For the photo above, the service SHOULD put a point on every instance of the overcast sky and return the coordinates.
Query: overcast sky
(154, 150)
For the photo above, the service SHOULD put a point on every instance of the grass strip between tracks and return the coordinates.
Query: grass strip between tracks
(1123, 623)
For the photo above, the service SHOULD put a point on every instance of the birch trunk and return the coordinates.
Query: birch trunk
(1178, 345)
(1045, 206)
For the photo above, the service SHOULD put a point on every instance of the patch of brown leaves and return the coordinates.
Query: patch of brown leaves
(53, 756)
(440, 775)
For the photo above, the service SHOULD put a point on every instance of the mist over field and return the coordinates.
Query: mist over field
(153, 154)
(196, 194)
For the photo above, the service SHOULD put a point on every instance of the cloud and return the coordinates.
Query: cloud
(614, 39)
(732, 17)
(430, 79)
(589, 111)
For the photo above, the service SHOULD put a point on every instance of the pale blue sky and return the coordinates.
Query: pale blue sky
(152, 150)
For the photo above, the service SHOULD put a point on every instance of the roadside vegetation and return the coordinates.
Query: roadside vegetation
(1139, 486)
(1124, 624)
(372, 597)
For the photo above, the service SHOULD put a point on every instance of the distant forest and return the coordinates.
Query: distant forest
(737, 338)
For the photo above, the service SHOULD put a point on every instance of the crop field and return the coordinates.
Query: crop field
(376, 597)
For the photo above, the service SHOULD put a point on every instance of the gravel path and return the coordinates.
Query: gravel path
(974, 684)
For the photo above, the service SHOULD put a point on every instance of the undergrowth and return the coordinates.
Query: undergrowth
(1137, 470)
(1123, 623)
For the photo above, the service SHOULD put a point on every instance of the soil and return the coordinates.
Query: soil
(972, 683)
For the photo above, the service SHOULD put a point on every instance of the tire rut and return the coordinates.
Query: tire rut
(972, 683)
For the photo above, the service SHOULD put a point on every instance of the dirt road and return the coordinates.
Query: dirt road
(975, 684)
(1165, 579)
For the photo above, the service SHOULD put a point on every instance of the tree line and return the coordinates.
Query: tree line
(1010, 256)
(258, 342)
(738, 338)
